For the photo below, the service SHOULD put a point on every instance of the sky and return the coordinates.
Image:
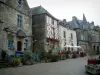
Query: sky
(65, 9)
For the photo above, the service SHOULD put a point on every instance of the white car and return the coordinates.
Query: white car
(93, 69)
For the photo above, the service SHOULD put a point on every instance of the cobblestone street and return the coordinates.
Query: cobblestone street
(65, 67)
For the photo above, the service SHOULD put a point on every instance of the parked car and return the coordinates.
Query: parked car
(93, 66)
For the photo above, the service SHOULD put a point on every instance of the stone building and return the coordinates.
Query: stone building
(67, 37)
(95, 39)
(87, 34)
(45, 30)
(15, 26)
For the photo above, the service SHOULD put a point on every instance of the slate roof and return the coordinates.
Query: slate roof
(21, 33)
(40, 10)
(3, 1)
(80, 24)
(75, 24)
(96, 28)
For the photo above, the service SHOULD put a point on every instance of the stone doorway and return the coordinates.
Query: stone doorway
(19, 46)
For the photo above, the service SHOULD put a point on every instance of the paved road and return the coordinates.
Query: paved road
(65, 67)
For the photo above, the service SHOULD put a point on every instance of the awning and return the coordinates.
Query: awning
(72, 46)
(21, 33)
(52, 39)
(77, 46)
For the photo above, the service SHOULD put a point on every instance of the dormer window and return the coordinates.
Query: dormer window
(19, 3)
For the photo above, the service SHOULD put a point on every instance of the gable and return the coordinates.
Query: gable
(3, 1)
(14, 4)
(38, 10)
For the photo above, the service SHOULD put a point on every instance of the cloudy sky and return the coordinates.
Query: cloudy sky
(65, 9)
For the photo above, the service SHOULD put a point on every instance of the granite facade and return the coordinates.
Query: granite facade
(9, 11)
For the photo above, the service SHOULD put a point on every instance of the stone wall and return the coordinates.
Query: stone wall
(38, 22)
(9, 11)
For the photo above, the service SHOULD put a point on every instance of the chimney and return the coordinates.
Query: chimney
(92, 22)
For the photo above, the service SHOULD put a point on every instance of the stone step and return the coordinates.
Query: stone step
(3, 64)
(2, 61)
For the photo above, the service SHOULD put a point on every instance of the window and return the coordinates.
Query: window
(64, 43)
(97, 49)
(47, 19)
(53, 32)
(19, 20)
(64, 34)
(72, 45)
(10, 44)
(94, 47)
(19, 3)
(71, 36)
(55, 22)
(82, 37)
(65, 48)
(26, 44)
(52, 21)
(10, 41)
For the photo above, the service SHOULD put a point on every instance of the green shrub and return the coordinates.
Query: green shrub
(17, 61)
(48, 57)
(51, 57)
(54, 58)
(43, 56)
(27, 58)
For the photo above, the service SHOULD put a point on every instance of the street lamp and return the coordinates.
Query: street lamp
(34, 41)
